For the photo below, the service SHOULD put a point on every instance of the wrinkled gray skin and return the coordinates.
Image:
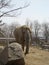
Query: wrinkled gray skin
(23, 36)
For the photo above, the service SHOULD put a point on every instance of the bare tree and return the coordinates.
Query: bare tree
(12, 27)
(4, 10)
(5, 30)
(46, 31)
(8, 29)
(36, 30)
(29, 23)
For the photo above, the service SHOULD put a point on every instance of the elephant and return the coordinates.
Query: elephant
(23, 36)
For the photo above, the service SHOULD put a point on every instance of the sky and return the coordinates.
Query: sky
(37, 10)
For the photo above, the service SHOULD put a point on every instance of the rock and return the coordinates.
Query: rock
(15, 54)
(16, 62)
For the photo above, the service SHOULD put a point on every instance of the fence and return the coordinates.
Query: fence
(6, 40)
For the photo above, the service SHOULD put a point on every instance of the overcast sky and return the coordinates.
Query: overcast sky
(38, 10)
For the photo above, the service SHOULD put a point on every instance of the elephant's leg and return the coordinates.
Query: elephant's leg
(27, 49)
(23, 47)
(27, 41)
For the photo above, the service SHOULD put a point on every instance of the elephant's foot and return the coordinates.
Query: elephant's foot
(26, 53)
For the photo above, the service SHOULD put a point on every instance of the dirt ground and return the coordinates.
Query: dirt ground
(37, 57)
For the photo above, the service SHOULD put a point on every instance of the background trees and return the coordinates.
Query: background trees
(40, 32)
(45, 27)
(37, 28)
(12, 27)
(8, 8)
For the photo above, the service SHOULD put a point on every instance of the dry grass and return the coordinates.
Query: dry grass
(37, 57)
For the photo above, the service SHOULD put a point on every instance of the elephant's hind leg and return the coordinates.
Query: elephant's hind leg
(23, 47)
(27, 49)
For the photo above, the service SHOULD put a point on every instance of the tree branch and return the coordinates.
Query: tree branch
(5, 4)
(14, 10)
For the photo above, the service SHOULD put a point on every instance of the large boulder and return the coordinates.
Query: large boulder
(15, 54)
